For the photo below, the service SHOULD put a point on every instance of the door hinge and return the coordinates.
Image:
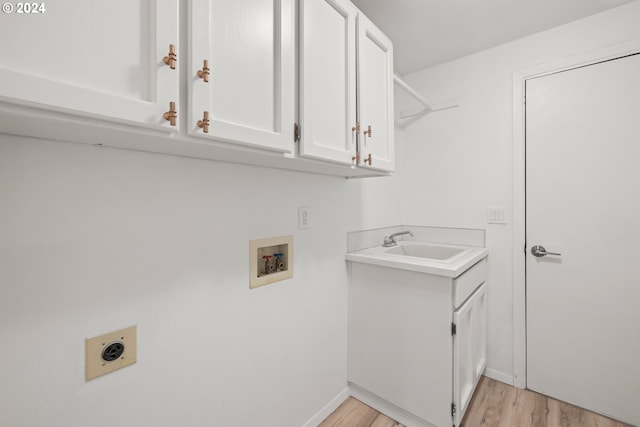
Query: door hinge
(453, 329)
(296, 132)
(453, 409)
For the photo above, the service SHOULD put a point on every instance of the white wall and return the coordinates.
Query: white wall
(381, 200)
(96, 239)
(459, 161)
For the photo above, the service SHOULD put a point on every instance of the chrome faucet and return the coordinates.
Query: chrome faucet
(391, 240)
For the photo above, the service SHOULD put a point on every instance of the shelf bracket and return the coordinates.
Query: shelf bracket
(426, 107)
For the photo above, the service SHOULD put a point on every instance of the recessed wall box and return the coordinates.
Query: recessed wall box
(271, 260)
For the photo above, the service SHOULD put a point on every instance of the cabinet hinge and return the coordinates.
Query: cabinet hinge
(453, 409)
(296, 132)
(453, 329)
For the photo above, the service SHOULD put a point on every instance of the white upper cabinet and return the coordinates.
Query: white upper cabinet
(249, 97)
(252, 71)
(93, 58)
(346, 86)
(328, 79)
(375, 96)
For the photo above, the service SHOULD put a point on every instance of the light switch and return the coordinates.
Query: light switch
(496, 215)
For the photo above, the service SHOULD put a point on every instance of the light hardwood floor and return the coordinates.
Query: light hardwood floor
(353, 413)
(494, 404)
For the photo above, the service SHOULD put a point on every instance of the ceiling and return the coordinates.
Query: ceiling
(430, 32)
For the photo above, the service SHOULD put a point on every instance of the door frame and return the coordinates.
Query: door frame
(519, 196)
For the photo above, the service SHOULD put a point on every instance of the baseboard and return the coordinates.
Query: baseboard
(385, 407)
(328, 409)
(499, 376)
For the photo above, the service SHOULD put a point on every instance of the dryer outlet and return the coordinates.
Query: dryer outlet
(108, 352)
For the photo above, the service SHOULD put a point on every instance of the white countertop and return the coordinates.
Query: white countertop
(451, 267)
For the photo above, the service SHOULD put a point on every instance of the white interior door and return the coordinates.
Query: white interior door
(583, 201)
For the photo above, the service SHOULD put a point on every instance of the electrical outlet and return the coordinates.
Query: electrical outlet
(303, 218)
(108, 352)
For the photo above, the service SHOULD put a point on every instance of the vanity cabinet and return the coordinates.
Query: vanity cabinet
(95, 59)
(242, 72)
(417, 341)
(346, 86)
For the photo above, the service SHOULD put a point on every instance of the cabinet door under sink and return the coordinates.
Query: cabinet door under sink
(469, 350)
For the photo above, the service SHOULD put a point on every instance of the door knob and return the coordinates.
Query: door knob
(540, 251)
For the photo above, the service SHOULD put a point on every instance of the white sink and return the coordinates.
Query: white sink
(433, 258)
(423, 250)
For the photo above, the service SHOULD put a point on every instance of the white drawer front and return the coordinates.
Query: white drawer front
(467, 282)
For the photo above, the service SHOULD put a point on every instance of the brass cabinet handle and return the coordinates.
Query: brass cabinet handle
(356, 158)
(356, 128)
(171, 58)
(204, 123)
(204, 73)
(368, 131)
(171, 114)
(368, 159)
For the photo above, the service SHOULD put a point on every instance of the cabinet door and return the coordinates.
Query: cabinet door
(92, 58)
(375, 95)
(480, 334)
(463, 354)
(328, 79)
(469, 350)
(249, 96)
